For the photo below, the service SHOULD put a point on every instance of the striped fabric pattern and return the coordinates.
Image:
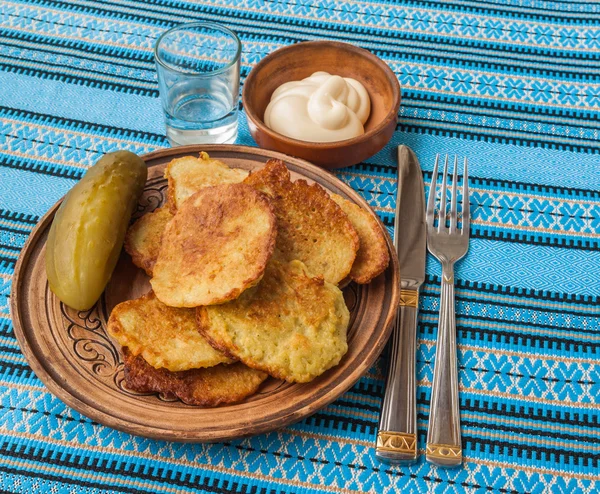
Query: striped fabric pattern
(512, 84)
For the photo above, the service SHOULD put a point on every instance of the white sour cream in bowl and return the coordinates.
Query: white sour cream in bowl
(320, 108)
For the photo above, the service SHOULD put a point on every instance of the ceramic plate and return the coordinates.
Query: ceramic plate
(72, 354)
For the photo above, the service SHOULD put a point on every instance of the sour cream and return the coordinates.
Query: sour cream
(320, 108)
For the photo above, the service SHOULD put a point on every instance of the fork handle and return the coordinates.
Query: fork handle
(443, 435)
(397, 435)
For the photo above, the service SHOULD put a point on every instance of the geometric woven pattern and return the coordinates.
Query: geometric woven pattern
(514, 85)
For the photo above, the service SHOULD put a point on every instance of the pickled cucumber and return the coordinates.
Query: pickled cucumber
(89, 228)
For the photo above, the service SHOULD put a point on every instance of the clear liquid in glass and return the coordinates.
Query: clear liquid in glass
(201, 114)
(198, 68)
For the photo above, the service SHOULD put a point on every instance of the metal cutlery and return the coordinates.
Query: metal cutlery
(397, 435)
(448, 244)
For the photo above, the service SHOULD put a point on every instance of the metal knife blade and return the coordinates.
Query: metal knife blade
(409, 224)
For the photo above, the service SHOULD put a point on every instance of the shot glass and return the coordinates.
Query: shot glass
(198, 66)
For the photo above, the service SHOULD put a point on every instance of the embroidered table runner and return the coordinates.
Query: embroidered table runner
(513, 85)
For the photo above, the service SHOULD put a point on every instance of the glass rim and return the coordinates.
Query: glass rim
(213, 25)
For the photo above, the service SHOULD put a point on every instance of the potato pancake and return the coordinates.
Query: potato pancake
(205, 387)
(373, 256)
(165, 336)
(311, 226)
(291, 325)
(189, 174)
(143, 238)
(215, 247)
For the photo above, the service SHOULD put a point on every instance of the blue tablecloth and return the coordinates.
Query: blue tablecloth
(514, 85)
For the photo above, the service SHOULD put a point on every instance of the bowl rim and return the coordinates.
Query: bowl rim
(392, 114)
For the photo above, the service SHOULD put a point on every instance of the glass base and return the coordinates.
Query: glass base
(226, 134)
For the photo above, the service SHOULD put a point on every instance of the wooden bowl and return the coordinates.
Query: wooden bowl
(295, 62)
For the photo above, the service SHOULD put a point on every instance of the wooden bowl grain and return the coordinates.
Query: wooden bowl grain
(295, 62)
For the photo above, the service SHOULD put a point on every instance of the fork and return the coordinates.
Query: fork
(448, 245)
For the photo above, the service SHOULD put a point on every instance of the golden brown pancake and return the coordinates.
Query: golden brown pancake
(143, 238)
(165, 336)
(216, 246)
(291, 325)
(189, 174)
(311, 226)
(206, 387)
(373, 256)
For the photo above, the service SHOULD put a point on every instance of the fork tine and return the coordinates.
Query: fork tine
(466, 216)
(429, 218)
(453, 206)
(444, 192)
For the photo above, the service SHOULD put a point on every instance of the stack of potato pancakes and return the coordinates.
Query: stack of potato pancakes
(244, 270)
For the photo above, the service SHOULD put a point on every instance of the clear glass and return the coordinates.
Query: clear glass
(198, 66)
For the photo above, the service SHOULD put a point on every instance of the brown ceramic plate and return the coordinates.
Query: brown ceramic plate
(71, 353)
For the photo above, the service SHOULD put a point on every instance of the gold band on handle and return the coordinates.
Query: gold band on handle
(409, 298)
(443, 451)
(397, 442)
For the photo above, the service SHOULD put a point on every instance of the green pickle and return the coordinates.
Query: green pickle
(89, 228)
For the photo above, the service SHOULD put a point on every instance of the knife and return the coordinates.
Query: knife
(397, 435)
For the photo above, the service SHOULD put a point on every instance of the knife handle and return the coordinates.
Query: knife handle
(397, 436)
